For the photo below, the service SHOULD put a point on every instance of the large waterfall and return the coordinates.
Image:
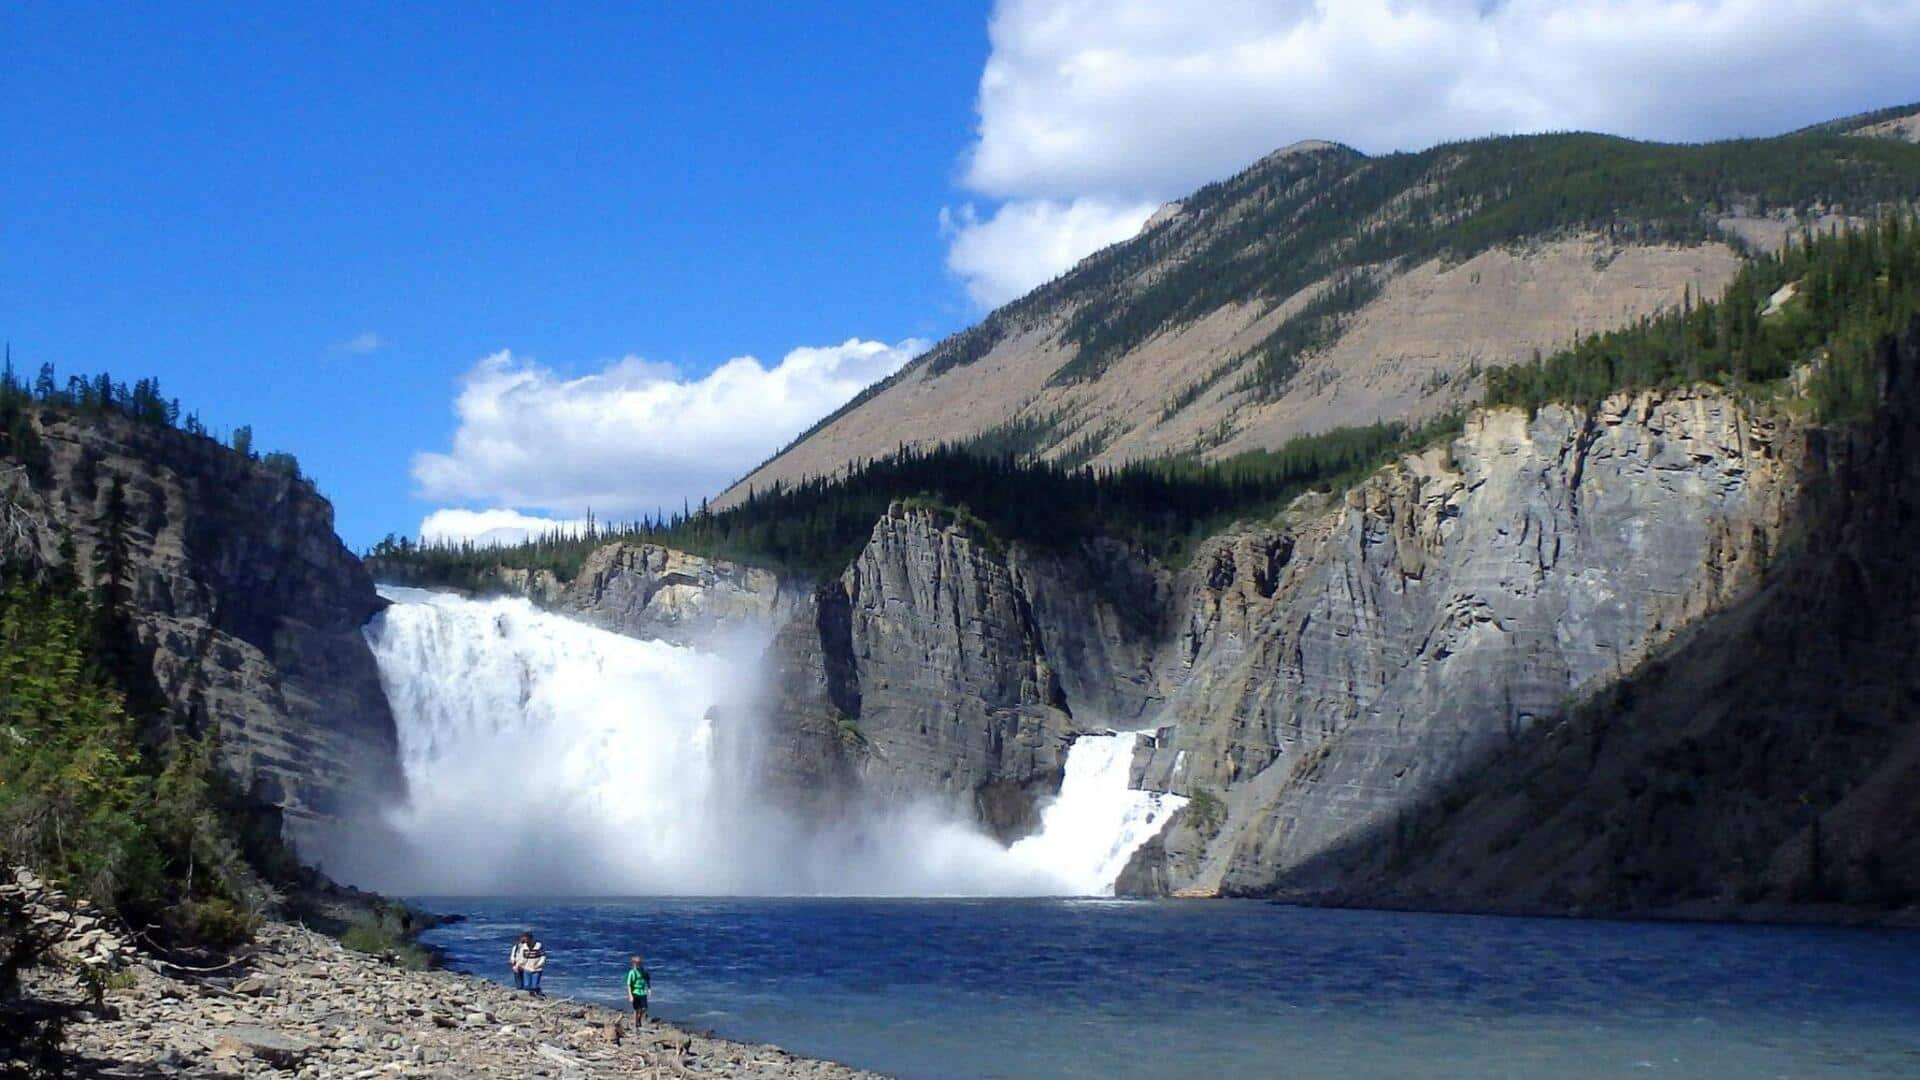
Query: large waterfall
(546, 756)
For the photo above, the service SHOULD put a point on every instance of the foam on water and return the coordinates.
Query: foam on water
(546, 756)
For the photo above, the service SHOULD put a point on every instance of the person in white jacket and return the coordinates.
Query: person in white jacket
(534, 961)
(517, 959)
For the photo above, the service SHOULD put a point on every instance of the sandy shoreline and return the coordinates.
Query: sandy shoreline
(306, 1006)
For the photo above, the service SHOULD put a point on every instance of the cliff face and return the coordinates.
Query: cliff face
(1337, 670)
(944, 674)
(249, 604)
(1764, 763)
(939, 666)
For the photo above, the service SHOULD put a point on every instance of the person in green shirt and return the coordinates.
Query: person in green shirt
(638, 986)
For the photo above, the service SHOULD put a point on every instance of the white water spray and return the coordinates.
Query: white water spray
(546, 756)
(1099, 821)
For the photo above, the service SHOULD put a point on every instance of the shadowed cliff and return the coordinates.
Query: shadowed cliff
(1766, 764)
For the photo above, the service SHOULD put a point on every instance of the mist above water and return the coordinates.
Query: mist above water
(544, 756)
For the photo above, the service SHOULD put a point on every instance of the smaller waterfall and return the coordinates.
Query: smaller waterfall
(1099, 820)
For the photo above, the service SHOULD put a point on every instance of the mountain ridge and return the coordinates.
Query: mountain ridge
(1321, 287)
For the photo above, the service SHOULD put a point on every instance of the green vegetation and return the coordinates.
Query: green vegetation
(1207, 812)
(388, 933)
(1849, 291)
(1023, 438)
(817, 527)
(1315, 326)
(101, 395)
(111, 798)
(402, 561)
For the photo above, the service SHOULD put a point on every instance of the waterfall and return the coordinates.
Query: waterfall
(545, 756)
(1099, 820)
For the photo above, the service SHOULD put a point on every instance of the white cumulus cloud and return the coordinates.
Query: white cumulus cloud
(636, 436)
(1027, 242)
(1124, 103)
(493, 528)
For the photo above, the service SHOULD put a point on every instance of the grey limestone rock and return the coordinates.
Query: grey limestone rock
(649, 591)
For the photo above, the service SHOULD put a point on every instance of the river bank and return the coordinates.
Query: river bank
(306, 1006)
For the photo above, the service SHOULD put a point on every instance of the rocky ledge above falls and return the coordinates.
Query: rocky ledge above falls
(650, 591)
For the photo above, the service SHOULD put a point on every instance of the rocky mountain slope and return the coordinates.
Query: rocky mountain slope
(246, 605)
(1323, 288)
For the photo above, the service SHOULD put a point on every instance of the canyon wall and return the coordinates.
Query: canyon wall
(1311, 679)
(247, 604)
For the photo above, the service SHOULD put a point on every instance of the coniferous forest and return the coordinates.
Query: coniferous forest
(1823, 301)
(101, 395)
(107, 788)
(815, 528)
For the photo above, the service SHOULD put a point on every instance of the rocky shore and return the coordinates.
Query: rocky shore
(303, 1005)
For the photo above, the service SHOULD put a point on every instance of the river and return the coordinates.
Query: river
(1115, 988)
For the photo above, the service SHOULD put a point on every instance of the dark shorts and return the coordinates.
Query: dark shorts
(638, 1001)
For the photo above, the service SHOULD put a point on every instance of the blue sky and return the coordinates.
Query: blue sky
(224, 199)
(532, 260)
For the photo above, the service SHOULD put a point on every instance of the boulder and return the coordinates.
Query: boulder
(276, 1049)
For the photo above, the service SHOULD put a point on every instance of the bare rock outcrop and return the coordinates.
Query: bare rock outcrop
(932, 605)
(239, 592)
(650, 591)
(1311, 677)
